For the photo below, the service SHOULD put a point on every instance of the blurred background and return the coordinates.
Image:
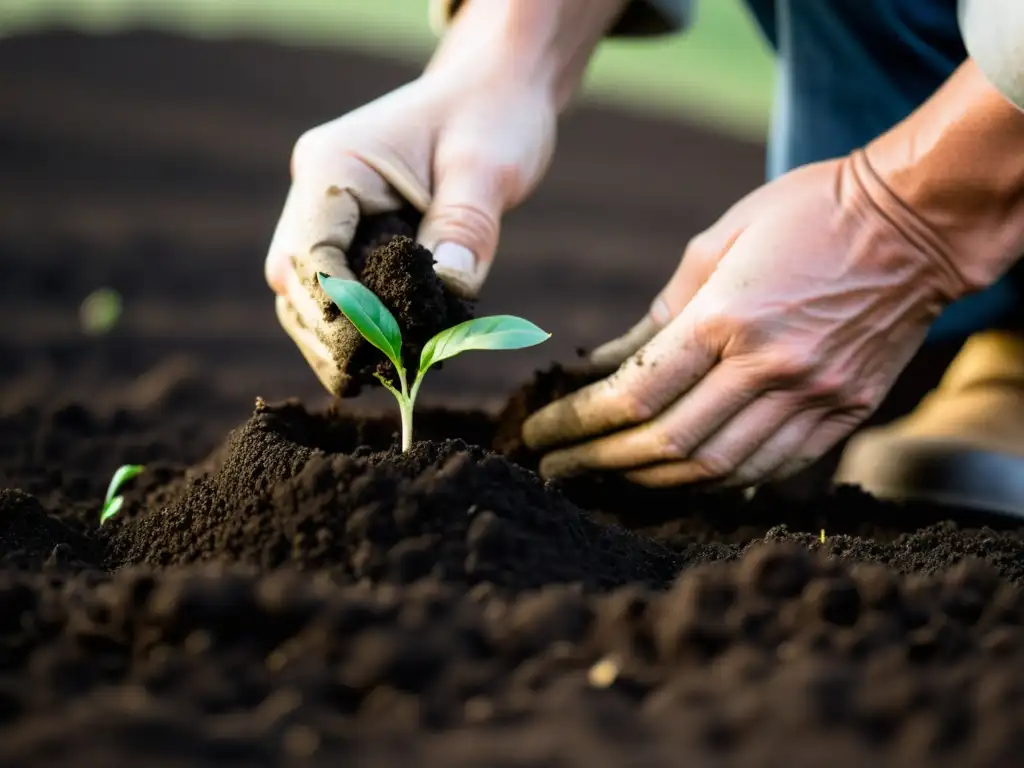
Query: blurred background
(144, 147)
(719, 73)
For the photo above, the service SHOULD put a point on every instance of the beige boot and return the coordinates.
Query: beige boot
(963, 445)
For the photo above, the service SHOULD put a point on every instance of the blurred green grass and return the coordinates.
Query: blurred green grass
(719, 73)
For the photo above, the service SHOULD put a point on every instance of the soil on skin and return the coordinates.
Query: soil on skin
(283, 588)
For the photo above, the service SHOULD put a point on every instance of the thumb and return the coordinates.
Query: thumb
(461, 226)
(698, 262)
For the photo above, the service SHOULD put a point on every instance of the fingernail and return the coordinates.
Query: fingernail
(660, 312)
(452, 257)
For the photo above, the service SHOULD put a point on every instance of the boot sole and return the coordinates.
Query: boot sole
(984, 481)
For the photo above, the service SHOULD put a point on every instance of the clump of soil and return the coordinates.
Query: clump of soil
(386, 259)
(545, 387)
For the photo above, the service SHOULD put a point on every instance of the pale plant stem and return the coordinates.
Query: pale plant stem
(405, 403)
(408, 405)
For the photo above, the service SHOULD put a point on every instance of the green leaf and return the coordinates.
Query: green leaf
(111, 508)
(367, 313)
(495, 332)
(122, 476)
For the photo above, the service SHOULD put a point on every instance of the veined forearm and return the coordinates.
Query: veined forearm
(958, 163)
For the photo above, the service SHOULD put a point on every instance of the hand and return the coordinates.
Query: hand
(464, 143)
(783, 328)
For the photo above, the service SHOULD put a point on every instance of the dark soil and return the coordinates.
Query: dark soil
(297, 593)
(387, 260)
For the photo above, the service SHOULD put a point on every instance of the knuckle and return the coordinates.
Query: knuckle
(468, 219)
(304, 151)
(634, 406)
(717, 328)
(788, 367)
(744, 477)
(828, 387)
(628, 397)
(842, 391)
(701, 247)
(670, 448)
(712, 466)
(510, 178)
(469, 158)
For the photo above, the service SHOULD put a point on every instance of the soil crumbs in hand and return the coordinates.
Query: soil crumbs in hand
(385, 257)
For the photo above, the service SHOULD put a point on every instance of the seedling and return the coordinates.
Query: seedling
(114, 501)
(379, 327)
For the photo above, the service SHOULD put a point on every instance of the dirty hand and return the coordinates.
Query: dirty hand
(788, 321)
(783, 327)
(463, 143)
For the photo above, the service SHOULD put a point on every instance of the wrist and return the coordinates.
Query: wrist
(543, 44)
(956, 169)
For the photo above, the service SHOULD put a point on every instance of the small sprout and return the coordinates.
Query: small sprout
(114, 501)
(379, 327)
(100, 311)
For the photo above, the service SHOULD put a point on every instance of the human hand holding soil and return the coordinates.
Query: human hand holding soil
(789, 319)
(459, 150)
(463, 143)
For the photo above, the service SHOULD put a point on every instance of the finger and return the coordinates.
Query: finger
(325, 344)
(672, 436)
(721, 455)
(824, 438)
(462, 224)
(699, 261)
(668, 366)
(315, 229)
(330, 191)
(781, 447)
(611, 355)
(694, 269)
(313, 350)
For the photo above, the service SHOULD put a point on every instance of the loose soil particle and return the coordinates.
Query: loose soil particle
(282, 588)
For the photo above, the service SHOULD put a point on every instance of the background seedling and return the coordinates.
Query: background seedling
(114, 501)
(100, 311)
(379, 327)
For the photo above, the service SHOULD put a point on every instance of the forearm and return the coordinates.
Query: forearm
(544, 42)
(958, 164)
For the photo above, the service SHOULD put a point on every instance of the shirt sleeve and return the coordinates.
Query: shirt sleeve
(641, 18)
(993, 33)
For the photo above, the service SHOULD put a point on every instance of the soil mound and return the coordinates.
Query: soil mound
(296, 489)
